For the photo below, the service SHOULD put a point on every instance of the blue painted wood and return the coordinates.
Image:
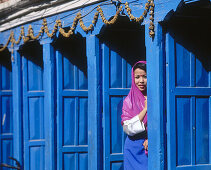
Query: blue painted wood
(5, 92)
(192, 70)
(210, 126)
(82, 128)
(7, 149)
(69, 161)
(121, 91)
(182, 66)
(35, 93)
(117, 58)
(106, 109)
(33, 108)
(73, 148)
(202, 130)
(72, 106)
(115, 74)
(116, 165)
(7, 136)
(114, 88)
(59, 108)
(49, 105)
(161, 10)
(183, 129)
(194, 167)
(192, 91)
(78, 98)
(37, 142)
(170, 83)
(193, 128)
(95, 149)
(74, 93)
(83, 164)
(116, 130)
(116, 156)
(202, 75)
(156, 98)
(188, 108)
(6, 109)
(17, 103)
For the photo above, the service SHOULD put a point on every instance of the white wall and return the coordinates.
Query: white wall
(34, 12)
(8, 3)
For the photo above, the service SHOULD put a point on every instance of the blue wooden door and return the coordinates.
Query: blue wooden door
(72, 105)
(116, 84)
(33, 107)
(188, 77)
(6, 110)
(119, 53)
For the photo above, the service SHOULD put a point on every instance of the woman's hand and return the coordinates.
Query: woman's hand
(145, 102)
(145, 144)
(143, 112)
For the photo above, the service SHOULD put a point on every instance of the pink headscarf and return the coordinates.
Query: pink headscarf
(134, 102)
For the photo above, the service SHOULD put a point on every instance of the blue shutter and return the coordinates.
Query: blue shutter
(33, 107)
(6, 109)
(116, 80)
(72, 107)
(188, 108)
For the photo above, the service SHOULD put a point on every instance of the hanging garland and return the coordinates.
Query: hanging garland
(149, 6)
(114, 18)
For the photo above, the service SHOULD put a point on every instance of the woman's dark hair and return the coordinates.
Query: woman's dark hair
(142, 66)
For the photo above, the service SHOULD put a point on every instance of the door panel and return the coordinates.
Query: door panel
(72, 105)
(183, 130)
(6, 109)
(183, 66)
(114, 90)
(121, 47)
(33, 107)
(203, 75)
(202, 130)
(116, 129)
(36, 121)
(188, 107)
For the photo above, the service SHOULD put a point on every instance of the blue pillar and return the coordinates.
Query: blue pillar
(17, 108)
(95, 148)
(156, 98)
(49, 104)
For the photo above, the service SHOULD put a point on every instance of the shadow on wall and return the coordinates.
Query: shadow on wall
(190, 26)
(74, 49)
(125, 38)
(33, 51)
(5, 59)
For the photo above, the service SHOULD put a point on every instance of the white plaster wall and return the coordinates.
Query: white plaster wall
(31, 13)
(8, 4)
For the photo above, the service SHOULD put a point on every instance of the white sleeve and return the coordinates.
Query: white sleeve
(133, 126)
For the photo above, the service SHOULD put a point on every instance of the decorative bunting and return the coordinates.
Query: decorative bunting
(149, 6)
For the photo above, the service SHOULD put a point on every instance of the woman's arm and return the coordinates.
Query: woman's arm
(143, 112)
(133, 126)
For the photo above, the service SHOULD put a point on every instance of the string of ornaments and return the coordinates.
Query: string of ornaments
(149, 7)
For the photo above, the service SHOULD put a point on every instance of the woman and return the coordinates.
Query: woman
(134, 120)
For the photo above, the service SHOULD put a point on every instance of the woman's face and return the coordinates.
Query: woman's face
(140, 77)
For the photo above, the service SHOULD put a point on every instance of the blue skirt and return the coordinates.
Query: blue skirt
(134, 154)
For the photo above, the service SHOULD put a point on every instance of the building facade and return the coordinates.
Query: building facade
(65, 70)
